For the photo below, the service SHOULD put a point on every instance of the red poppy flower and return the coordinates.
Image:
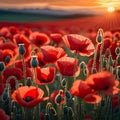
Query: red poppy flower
(3, 115)
(1, 56)
(92, 98)
(107, 44)
(51, 53)
(45, 75)
(9, 72)
(10, 46)
(25, 31)
(55, 94)
(81, 44)
(41, 60)
(81, 89)
(68, 66)
(28, 96)
(104, 81)
(56, 37)
(7, 56)
(108, 34)
(39, 39)
(19, 39)
(13, 30)
(4, 32)
(116, 35)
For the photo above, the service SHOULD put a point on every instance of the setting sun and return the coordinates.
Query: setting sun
(111, 9)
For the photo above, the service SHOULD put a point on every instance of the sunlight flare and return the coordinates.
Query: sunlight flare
(110, 9)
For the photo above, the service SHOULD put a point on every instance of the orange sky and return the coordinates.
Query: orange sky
(92, 4)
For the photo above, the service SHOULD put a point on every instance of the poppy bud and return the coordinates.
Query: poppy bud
(110, 61)
(68, 95)
(99, 37)
(117, 50)
(65, 110)
(28, 82)
(118, 72)
(22, 49)
(7, 59)
(57, 77)
(114, 71)
(104, 63)
(71, 102)
(82, 65)
(5, 96)
(118, 59)
(63, 82)
(47, 117)
(34, 61)
(94, 70)
(58, 99)
(2, 66)
(7, 101)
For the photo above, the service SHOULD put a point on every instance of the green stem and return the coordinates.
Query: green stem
(24, 69)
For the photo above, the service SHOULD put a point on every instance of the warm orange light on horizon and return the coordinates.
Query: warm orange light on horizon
(111, 9)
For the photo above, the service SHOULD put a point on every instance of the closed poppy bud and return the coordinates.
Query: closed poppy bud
(99, 39)
(104, 63)
(99, 36)
(94, 70)
(2, 66)
(22, 49)
(68, 95)
(7, 59)
(34, 61)
(82, 65)
(114, 71)
(58, 99)
(118, 59)
(110, 61)
(63, 82)
(117, 50)
(28, 82)
(7, 101)
(5, 96)
(118, 72)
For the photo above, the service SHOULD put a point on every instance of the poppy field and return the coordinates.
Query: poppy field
(60, 73)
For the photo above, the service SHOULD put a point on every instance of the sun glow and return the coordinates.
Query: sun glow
(110, 9)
